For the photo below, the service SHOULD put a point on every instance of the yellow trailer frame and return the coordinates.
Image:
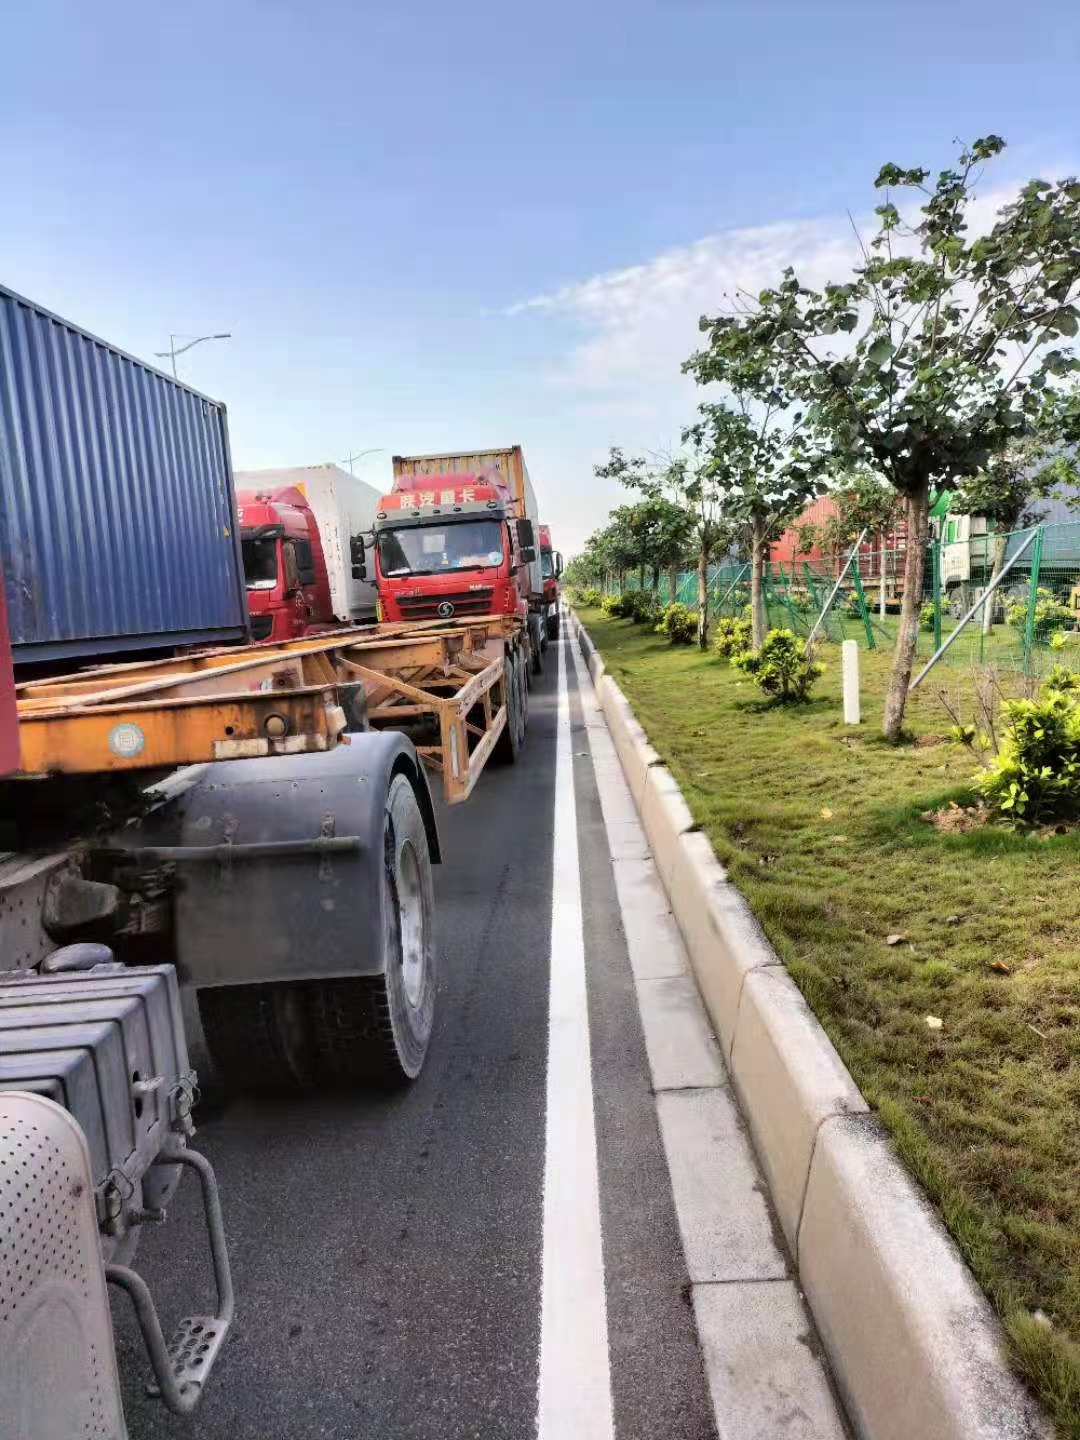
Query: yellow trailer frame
(278, 699)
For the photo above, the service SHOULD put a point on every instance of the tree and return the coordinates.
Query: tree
(663, 526)
(864, 502)
(678, 484)
(745, 465)
(1003, 491)
(668, 533)
(951, 351)
(661, 529)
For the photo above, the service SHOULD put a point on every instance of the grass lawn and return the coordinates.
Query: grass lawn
(818, 825)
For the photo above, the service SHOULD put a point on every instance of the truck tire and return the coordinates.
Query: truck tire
(523, 694)
(259, 1036)
(551, 626)
(377, 1028)
(534, 645)
(508, 746)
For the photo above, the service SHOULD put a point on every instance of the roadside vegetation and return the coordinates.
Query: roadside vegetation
(919, 874)
(939, 947)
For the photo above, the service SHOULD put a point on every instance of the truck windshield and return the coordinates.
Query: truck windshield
(434, 549)
(260, 563)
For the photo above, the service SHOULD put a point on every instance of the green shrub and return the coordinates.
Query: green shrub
(679, 625)
(643, 606)
(1049, 615)
(1036, 775)
(590, 597)
(926, 616)
(1062, 679)
(731, 636)
(617, 606)
(782, 667)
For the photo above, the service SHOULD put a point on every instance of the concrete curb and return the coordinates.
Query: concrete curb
(912, 1340)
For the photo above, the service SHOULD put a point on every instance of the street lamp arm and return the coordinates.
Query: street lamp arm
(200, 340)
(173, 352)
(351, 459)
(179, 349)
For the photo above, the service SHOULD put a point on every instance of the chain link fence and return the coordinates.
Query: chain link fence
(1028, 580)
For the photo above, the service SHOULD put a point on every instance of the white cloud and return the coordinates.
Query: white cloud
(618, 377)
(639, 324)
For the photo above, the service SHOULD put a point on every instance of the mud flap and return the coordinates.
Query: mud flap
(279, 862)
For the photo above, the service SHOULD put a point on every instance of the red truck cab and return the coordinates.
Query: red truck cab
(551, 568)
(288, 588)
(449, 545)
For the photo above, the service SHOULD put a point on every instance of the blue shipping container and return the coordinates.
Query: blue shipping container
(117, 512)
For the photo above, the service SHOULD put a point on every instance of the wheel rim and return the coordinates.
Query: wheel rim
(410, 905)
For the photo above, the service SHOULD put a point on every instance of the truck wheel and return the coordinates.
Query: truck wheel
(259, 1036)
(523, 694)
(377, 1028)
(551, 626)
(508, 745)
(534, 639)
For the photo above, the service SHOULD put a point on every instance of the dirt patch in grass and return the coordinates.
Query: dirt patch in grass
(955, 819)
(821, 827)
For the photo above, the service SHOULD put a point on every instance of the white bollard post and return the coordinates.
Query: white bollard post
(850, 664)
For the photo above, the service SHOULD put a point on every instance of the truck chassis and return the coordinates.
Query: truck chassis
(292, 698)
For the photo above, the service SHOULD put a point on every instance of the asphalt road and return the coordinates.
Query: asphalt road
(388, 1250)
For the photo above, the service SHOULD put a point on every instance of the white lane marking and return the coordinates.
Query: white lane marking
(574, 1392)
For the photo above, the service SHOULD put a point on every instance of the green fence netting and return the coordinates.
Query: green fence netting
(1034, 618)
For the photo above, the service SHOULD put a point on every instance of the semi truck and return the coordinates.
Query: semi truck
(299, 534)
(253, 822)
(551, 568)
(482, 505)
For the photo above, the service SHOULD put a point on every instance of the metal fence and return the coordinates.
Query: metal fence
(1034, 608)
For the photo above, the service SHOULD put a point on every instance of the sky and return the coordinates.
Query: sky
(436, 227)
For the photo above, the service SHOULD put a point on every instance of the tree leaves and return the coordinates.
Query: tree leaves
(881, 351)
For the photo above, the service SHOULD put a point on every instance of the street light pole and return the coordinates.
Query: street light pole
(173, 351)
(352, 457)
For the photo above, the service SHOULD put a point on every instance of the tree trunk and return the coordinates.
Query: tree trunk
(641, 576)
(1001, 543)
(916, 514)
(673, 584)
(758, 613)
(883, 589)
(655, 578)
(622, 581)
(703, 596)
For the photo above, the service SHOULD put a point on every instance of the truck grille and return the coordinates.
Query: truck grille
(261, 626)
(465, 602)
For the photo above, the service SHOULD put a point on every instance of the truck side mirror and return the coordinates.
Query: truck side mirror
(526, 541)
(558, 564)
(358, 556)
(289, 565)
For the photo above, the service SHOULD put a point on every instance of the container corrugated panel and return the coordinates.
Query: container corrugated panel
(117, 528)
(9, 718)
(509, 462)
